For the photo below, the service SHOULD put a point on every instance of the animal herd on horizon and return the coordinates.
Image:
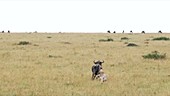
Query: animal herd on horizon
(4, 31)
(143, 32)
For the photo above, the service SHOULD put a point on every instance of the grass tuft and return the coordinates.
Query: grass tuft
(132, 45)
(24, 43)
(51, 56)
(124, 38)
(106, 40)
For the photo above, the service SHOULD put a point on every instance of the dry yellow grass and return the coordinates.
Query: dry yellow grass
(60, 65)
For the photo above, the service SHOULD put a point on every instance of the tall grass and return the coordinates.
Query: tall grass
(62, 66)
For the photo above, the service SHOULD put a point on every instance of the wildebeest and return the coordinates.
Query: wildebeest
(123, 31)
(8, 31)
(143, 32)
(2, 31)
(97, 66)
(131, 31)
(114, 32)
(108, 31)
(159, 31)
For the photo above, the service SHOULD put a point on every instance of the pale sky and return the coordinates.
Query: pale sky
(84, 15)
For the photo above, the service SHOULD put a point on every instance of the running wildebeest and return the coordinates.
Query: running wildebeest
(2, 31)
(97, 66)
(8, 31)
(108, 31)
(114, 32)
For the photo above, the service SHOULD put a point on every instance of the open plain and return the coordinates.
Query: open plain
(59, 64)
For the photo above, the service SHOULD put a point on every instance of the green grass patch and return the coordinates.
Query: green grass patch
(154, 55)
(161, 38)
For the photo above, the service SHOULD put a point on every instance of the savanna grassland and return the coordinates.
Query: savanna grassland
(60, 65)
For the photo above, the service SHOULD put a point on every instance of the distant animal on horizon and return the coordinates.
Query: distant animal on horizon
(8, 31)
(97, 66)
(114, 32)
(131, 31)
(123, 31)
(159, 31)
(143, 32)
(3, 32)
(108, 31)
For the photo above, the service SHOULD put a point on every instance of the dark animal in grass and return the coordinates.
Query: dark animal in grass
(2, 31)
(97, 66)
(8, 31)
(114, 32)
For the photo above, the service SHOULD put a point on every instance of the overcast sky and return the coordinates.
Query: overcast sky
(84, 15)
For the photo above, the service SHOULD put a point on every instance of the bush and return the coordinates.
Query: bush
(161, 38)
(154, 55)
(106, 40)
(24, 43)
(131, 45)
(124, 38)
